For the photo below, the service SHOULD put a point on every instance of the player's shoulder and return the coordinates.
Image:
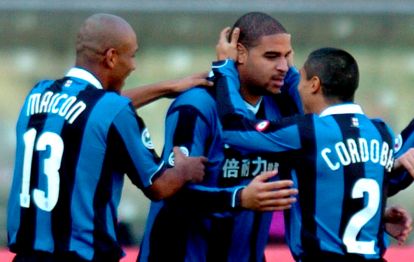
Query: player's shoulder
(409, 129)
(41, 85)
(196, 101)
(198, 92)
(380, 122)
(197, 97)
(113, 99)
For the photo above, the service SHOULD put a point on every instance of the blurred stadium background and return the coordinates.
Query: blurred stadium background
(177, 37)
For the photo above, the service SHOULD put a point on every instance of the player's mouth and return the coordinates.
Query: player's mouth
(277, 81)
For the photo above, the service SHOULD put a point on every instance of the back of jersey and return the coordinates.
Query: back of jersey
(61, 144)
(341, 175)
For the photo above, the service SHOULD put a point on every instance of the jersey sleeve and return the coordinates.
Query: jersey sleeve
(192, 129)
(401, 179)
(130, 141)
(242, 132)
(290, 87)
(405, 139)
(215, 201)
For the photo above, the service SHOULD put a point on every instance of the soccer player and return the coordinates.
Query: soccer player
(207, 221)
(340, 160)
(76, 138)
(184, 228)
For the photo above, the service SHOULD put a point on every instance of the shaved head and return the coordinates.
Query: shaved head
(100, 32)
(106, 46)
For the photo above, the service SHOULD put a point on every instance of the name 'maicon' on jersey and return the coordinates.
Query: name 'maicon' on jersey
(340, 161)
(75, 142)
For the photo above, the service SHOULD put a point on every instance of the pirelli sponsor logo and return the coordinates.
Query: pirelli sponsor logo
(262, 125)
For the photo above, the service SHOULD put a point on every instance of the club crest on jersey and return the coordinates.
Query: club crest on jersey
(262, 125)
(398, 143)
(146, 139)
(354, 122)
(68, 83)
(183, 150)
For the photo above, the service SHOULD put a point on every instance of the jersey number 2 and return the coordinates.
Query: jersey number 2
(358, 220)
(51, 164)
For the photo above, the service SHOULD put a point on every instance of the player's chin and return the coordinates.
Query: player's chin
(274, 89)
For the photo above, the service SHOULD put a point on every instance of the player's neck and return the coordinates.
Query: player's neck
(250, 98)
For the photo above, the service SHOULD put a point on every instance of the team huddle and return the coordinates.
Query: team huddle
(215, 185)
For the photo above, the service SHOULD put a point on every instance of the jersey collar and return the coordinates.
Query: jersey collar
(342, 109)
(84, 75)
(253, 108)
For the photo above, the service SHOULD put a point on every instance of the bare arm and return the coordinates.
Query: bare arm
(143, 95)
(186, 169)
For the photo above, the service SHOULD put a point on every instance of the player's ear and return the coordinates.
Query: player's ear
(242, 53)
(111, 57)
(316, 84)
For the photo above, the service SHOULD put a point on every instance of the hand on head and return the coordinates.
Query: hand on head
(226, 49)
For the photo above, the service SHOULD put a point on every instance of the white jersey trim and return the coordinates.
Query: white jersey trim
(342, 109)
(84, 75)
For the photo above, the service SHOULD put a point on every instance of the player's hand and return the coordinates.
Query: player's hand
(226, 49)
(261, 195)
(180, 85)
(191, 168)
(398, 223)
(406, 161)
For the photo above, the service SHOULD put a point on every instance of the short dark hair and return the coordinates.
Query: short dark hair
(254, 25)
(337, 71)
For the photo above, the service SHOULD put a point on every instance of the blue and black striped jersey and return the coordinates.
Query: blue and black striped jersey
(200, 222)
(75, 142)
(340, 161)
(244, 236)
(176, 227)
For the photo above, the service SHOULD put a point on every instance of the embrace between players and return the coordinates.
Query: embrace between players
(77, 137)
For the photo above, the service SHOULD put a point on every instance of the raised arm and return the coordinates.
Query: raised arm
(143, 95)
(403, 172)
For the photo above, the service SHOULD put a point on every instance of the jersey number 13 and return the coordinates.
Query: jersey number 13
(51, 164)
